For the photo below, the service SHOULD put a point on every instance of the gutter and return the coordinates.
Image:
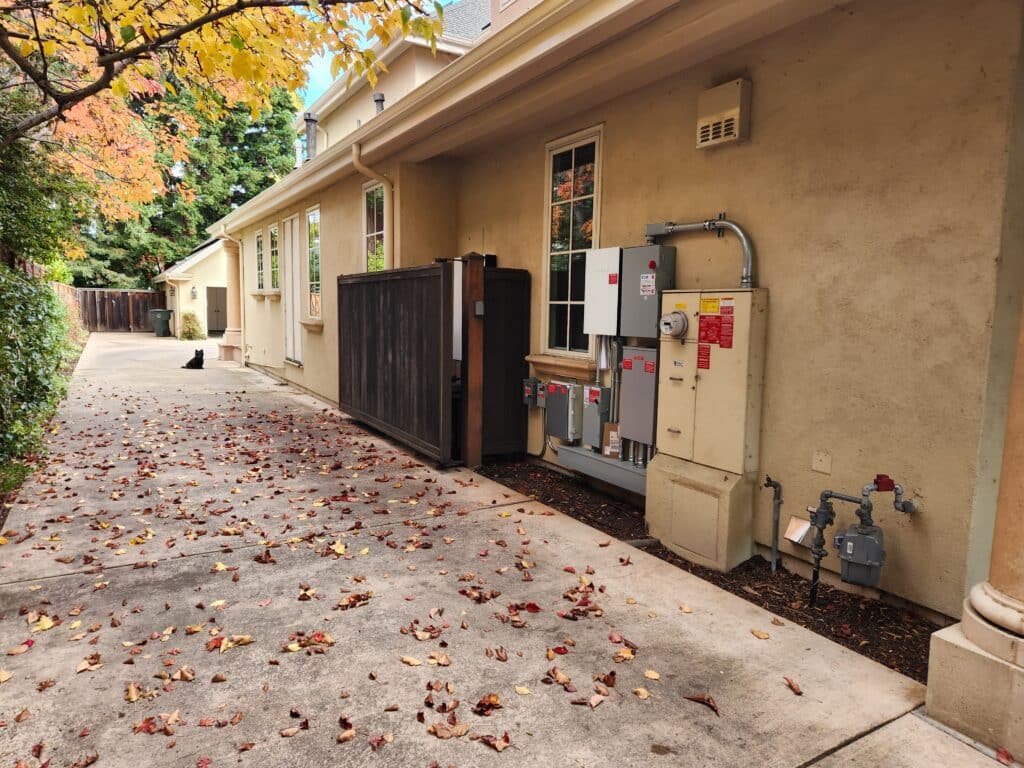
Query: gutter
(389, 203)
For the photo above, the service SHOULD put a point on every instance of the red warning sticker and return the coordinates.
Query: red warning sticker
(551, 388)
(704, 356)
(613, 278)
(709, 329)
(648, 366)
(627, 364)
(725, 338)
(594, 395)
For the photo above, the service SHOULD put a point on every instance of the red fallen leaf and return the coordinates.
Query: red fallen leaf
(37, 750)
(561, 650)
(83, 733)
(625, 561)
(1003, 756)
(84, 762)
(482, 553)
(148, 725)
(706, 700)
(569, 569)
(793, 686)
(614, 637)
(487, 705)
(532, 608)
(498, 745)
(204, 762)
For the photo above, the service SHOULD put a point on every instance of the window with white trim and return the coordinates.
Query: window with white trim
(572, 207)
(313, 262)
(275, 258)
(259, 260)
(373, 227)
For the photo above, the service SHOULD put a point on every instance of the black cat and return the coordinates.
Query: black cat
(196, 363)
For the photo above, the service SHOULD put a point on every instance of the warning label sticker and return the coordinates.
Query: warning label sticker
(647, 284)
(613, 278)
(728, 306)
(627, 364)
(681, 305)
(593, 395)
(709, 306)
(648, 366)
(725, 336)
(704, 356)
(709, 329)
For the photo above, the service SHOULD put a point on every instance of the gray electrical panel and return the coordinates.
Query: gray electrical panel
(596, 404)
(636, 399)
(647, 270)
(562, 417)
(530, 388)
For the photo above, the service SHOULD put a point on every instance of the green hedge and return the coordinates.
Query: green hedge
(34, 345)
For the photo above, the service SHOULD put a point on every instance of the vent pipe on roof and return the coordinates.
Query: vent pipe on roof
(378, 100)
(311, 122)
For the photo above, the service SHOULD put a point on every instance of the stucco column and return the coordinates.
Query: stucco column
(976, 667)
(231, 344)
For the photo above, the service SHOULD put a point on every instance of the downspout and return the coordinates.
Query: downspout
(389, 197)
(241, 284)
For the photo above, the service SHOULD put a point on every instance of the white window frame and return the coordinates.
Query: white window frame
(258, 250)
(367, 188)
(306, 275)
(274, 251)
(593, 134)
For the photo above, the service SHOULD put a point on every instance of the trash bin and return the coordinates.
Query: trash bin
(161, 320)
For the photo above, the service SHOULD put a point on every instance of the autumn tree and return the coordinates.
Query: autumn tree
(227, 52)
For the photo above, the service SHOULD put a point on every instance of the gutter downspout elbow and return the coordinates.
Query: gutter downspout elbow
(389, 198)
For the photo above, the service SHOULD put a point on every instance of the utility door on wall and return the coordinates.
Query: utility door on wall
(292, 287)
(216, 310)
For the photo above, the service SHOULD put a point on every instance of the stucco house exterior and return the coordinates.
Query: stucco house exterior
(198, 283)
(880, 181)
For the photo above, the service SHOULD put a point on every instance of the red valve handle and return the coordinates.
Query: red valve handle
(885, 483)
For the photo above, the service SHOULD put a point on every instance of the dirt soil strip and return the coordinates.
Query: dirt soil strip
(889, 635)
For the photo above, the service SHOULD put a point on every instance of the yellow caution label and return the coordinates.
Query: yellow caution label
(681, 305)
(709, 306)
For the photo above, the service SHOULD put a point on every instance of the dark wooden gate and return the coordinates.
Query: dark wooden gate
(111, 309)
(395, 355)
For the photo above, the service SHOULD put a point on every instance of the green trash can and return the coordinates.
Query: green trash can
(161, 320)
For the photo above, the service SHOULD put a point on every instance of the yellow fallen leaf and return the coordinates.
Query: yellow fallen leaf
(364, 551)
(642, 693)
(505, 514)
(3, 540)
(630, 601)
(4, 675)
(338, 548)
(685, 608)
(44, 623)
(132, 693)
(75, 624)
(218, 603)
(650, 674)
(411, 661)
(219, 567)
(623, 654)
(522, 690)
(760, 634)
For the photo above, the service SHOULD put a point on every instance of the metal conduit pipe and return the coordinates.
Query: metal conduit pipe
(711, 225)
(389, 208)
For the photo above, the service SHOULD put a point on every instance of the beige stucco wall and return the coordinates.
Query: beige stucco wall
(210, 272)
(411, 68)
(874, 187)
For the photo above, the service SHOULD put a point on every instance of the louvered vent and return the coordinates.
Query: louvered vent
(723, 114)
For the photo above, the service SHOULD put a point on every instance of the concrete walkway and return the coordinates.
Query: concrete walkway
(213, 569)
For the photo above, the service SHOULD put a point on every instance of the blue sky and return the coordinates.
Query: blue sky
(320, 75)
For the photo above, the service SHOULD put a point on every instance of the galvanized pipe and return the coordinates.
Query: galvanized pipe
(712, 225)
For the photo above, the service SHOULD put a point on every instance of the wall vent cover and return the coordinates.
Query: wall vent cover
(723, 114)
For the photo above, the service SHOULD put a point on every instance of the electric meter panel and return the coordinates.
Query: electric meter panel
(647, 270)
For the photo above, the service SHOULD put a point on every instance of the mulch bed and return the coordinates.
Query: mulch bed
(891, 636)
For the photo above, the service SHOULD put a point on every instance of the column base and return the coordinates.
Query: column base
(974, 690)
(230, 346)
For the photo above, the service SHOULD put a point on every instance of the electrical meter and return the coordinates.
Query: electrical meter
(674, 324)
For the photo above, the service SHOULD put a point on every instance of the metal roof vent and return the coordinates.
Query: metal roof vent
(723, 114)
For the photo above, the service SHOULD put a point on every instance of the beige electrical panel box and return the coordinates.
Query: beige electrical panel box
(709, 387)
(710, 369)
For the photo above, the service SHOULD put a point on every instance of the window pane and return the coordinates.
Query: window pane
(583, 176)
(378, 208)
(583, 223)
(561, 176)
(559, 277)
(578, 340)
(560, 227)
(578, 276)
(275, 267)
(557, 326)
(374, 253)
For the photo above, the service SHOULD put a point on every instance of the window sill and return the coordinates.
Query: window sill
(314, 326)
(274, 294)
(258, 295)
(563, 365)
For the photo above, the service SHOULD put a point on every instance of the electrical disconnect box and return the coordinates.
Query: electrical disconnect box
(596, 404)
(709, 398)
(637, 397)
(647, 270)
(563, 414)
(623, 286)
(530, 389)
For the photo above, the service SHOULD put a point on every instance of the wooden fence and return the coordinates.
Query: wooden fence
(112, 309)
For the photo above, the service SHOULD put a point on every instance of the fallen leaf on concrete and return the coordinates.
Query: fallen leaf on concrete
(411, 661)
(495, 743)
(4, 675)
(760, 634)
(685, 608)
(596, 699)
(522, 690)
(642, 693)
(604, 543)
(487, 705)
(623, 654)
(448, 730)
(345, 736)
(777, 621)
(20, 649)
(132, 693)
(44, 623)
(22, 716)
(706, 700)
(650, 674)
(89, 664)
(1003, 756)
(793, 686)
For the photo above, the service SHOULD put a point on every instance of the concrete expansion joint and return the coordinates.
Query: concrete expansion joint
(817, 759)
